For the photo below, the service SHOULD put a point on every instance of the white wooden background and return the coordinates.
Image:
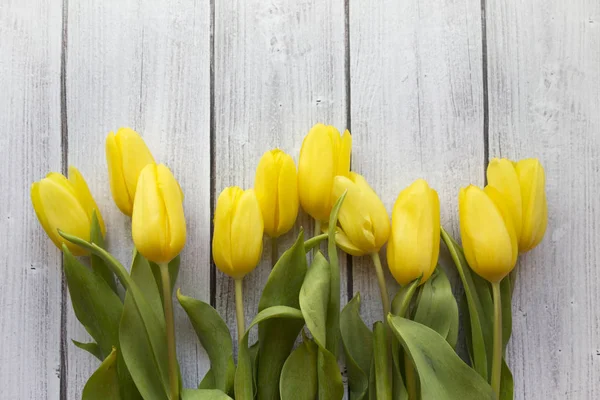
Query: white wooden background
(429, 88)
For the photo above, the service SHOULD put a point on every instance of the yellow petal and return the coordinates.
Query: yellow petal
(57, 208)
(487, 241)
(343, 154)
(535, 214)
(345, 244)
(287, 194)
(378, 214)
(170, 193)
(413, 246)
(221, 245)
(266, 184)
(316, 170)
(149, 219)
(246, 234)
(501, 175)
(85, 196)
(354, 217)
(116, 176)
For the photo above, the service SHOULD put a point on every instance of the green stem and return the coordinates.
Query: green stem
(385, 298)
(239, 308)
(274, 253)
(171, 349)
(317, 231)
(411, 379)
(314, 241)
(497, 350)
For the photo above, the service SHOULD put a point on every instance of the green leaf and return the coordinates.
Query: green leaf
(142, 334)
(329, 376)
(506, 295)
(383, 380)
(98, 265)
(333, 309)
(208, 382)
(357, 340)
(91, 348)
(402, 299)
(479, 332)
(104, 383)
(314, 298)
(96, 306)
(203, 394)
(244, 382)
(506, 383)
(399, 391)
(277, 336)
(437, 308)
(372, 383)
(401, 307)
(216, 340)
(173, 274)
(142, 274)
(442, 374)
(127, 387)
(299, 373)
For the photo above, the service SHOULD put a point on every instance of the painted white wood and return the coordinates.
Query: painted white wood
(279, 69)
(417, 109)
(30, 146)
(145, 65)
(544, 91)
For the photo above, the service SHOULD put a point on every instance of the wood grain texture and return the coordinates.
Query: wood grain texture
(417, 109)
(279, 69)
(30, 146)
(544, 91)
(145, 65)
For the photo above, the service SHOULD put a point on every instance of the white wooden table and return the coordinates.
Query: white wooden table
(429, 88)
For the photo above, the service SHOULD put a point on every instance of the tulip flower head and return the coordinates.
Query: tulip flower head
(414, 245)
(488, 235)
(126, 155)
(276, 188)
(323, 156)
(238, 232)
(522, 186)
(364, 224)
(158, 222)
(66, 205)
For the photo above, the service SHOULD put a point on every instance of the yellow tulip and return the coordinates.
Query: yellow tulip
(65, 204)
(487, 230)
(521, 185)
(535, 208)
(126, 155)
(238, 232)
(414, 245)
(323, 156)
(363, 219)
(276, 188)
(158, 223)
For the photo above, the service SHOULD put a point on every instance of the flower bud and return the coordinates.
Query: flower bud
(65, 204)
(238, 232)
(126, 155)
(158, 223)
(364, 222)
(488, 234)
(535, 208)
(323, 156)
(276, 188)
(414, 245)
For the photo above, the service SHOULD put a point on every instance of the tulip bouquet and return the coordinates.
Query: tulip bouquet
(410, 355)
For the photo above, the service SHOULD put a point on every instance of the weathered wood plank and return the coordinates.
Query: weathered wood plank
(417, 108)
(145, 65)
(279, 68)
(30, 146)
(544, 91)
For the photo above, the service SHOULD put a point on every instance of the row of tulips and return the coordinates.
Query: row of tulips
(409, 355)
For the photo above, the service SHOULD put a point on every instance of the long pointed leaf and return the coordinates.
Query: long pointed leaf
(104, 383)
(333, 310)
(442, 374)
(299, 374)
